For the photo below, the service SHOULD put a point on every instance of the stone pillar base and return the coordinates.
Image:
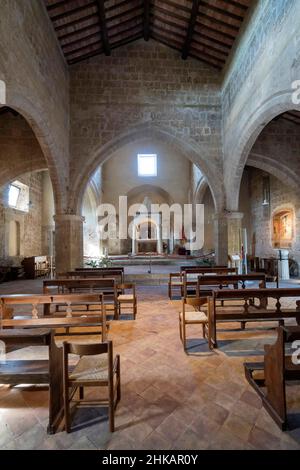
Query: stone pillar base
(68, 242)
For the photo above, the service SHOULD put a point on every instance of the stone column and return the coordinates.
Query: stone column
(68, 242)
(133, 240)
(235, 232)
(221, 238)
(159, 235)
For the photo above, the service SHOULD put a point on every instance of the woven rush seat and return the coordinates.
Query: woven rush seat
(128, 297)
(194, 316)
(90, 368)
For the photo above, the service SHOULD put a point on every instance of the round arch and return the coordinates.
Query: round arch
(277, 169)
(268, 110)
(190, 150)
(42, 132)
(149, 188)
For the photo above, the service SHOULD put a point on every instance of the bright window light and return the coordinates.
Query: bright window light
(147, 164)
(13, 195)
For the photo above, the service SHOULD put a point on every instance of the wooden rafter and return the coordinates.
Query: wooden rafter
(103, 27)
(203, 29)
(190, 31)
(146, 24)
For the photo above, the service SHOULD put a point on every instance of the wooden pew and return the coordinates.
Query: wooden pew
(105, 286)
(72, 317)
(176, 280)
(277, 368)
(36, 371)
(115, 273)
(246, 310)
(206, 284)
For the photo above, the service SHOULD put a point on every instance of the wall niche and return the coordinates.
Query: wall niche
(283, 228)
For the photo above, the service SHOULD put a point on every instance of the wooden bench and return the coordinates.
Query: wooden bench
(105, 286)
(36, 371)
(206, 284)
(246, 310)
(117, 274)
(176, 280)
(269, 378)
(74, 314)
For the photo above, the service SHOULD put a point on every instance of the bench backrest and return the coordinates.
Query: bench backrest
(208, 269)
(108, 268)
(35, 300)
(226, 280)
(92, 284)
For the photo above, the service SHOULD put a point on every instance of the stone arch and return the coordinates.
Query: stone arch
(46, 140)
(144, 188)
(274, 168)
(200, 191)
(234, 167)
(186, 148)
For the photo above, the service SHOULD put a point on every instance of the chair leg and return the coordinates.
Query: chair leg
(119, 380)
(184, 335)
(203, 330)
(81, 393)
(67, 410)
(111, 410)
(135, 310)
(180, 329)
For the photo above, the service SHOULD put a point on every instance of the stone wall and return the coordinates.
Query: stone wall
(144, 90)
(30, 223)
(37, 83)
(277, 150)
(19, 148)
(260, 226)
(258, 83)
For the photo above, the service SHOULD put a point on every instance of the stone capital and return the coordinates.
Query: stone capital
(234, 215)
(68, 218)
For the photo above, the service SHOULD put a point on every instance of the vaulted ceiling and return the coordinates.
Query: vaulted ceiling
(203, 29)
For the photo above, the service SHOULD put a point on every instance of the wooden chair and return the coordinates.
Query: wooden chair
(175, 282)
(95, 367)
(125, 299)
(192, 317)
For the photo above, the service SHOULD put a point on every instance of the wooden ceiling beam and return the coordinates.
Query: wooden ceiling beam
(103, 27)
(73, 11)
(83, 38)
(125, 31)
(55, 5)
(76, 22)
(85, 56)
(190, 31)
(82, 48)
(214, 29)
(221, 11)
(211, 40)
(168, 23)
(118, 16)
(79, 31)
(146, 21)
(127, 41)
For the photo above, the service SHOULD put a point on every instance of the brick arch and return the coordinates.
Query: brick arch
(43, 134)
(200, 191)
(9, 175)
(255, 123)
(195, 153)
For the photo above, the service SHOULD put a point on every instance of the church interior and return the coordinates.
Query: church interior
(127, 106)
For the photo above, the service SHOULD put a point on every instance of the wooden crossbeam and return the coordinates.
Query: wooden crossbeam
(102, 19)
(189, 36)
(146, 24)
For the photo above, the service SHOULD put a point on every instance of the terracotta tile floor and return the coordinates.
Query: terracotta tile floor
(170, 400)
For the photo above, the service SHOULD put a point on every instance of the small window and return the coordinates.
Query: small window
(13, 195)
(18, 196)
(147, 164)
